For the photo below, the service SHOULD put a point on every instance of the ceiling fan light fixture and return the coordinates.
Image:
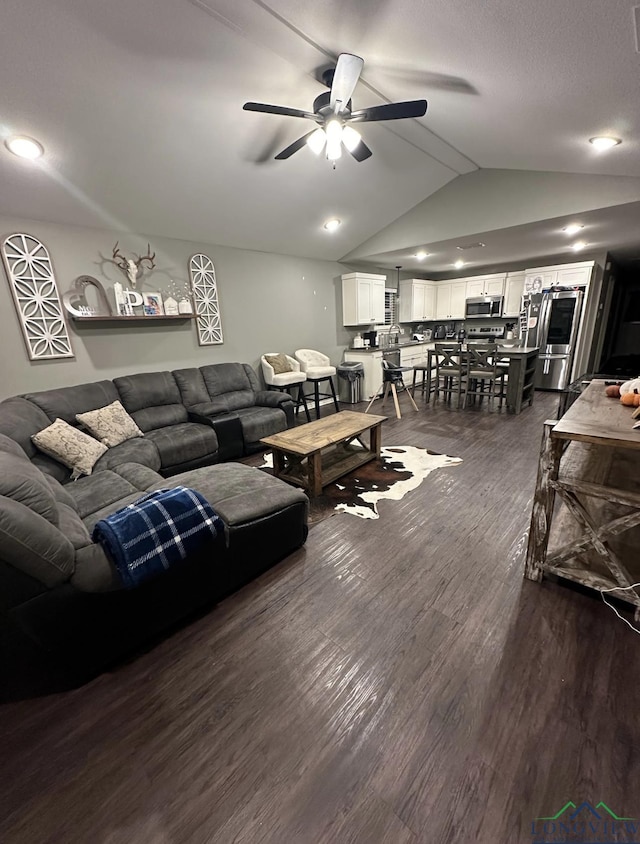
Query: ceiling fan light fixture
(350, 138)
(603, 142)
(333, 131)
(333, 224)
(317, 140)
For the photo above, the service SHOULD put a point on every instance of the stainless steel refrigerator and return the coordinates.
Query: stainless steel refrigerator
(551, 321)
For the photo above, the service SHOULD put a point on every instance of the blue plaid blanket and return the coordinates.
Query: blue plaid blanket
(147, 536)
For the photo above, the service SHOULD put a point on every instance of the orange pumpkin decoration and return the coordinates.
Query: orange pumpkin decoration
(631, 399)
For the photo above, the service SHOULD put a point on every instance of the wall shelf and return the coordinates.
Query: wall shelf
(134, 318)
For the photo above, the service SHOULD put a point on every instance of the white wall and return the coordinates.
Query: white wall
(269, 303)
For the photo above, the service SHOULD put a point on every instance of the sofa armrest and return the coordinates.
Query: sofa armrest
(272, 398)
(281, 401)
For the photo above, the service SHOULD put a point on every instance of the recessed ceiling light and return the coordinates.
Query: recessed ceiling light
(458, 264)
(572, 228)
(332, 225)
(24, 147)
(421, 255)
(604, 142)
(578, 245)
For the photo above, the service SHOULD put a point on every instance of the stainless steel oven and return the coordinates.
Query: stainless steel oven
(484, 307)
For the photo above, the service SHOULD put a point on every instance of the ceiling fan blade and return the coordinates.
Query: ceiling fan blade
(361, 152)
(393, 111)
(273, 109)
(345, 79)
(294, 147)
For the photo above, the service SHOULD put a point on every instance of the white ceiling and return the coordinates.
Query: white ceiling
(139, 107)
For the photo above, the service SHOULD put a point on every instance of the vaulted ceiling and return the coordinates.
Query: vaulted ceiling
(139, 108)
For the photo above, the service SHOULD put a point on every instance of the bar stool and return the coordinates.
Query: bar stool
(285, 379)
(483, 374)
(427, 383)
(317, 368)
(392, 377)
(451, 370)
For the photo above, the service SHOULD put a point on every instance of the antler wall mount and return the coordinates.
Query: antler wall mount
(132, 266)
(332, 112)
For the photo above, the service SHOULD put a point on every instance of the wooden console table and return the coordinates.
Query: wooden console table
(590, 459)
(320, 452)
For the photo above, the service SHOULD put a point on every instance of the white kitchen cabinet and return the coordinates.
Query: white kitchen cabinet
(372, 378)
(561, 275)
(514, 288)
(450, 299)
(363, 298)
(417, 300)
(485, 285)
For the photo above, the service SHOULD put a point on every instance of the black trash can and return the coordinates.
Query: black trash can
(350, 375)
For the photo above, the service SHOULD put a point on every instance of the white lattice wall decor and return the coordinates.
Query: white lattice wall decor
(205, 294)
(35, 293)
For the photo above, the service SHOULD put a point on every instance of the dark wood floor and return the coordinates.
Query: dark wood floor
(394, 681)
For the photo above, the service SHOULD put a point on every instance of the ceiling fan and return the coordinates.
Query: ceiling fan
(332, 112)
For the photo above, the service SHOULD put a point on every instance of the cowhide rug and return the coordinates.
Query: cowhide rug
(401, 469)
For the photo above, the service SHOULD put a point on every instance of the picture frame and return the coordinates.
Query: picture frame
(152, 304)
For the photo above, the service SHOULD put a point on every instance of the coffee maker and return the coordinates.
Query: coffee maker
(439, 332)
(372, 337)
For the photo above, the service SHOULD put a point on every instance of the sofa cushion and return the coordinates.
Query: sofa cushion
(60, 493)
(21, 481)
(71, 447)
(111, 425)
(19, 420)
(102, 489)
(258, 422)
(152, 398)
(30, 543)
(66, 402)
(94, 571)
(240, 493)
(193, 390)
(72, 527)
(230, 386)
(138, 450)
(186, 443)
(112, 487)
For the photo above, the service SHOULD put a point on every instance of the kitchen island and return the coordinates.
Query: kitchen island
(590, 459)
(520, 375)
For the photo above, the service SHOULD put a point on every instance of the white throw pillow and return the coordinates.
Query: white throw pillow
(69, 446)
(112, 424)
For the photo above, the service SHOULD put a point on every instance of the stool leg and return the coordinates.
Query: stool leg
(375, 396)
(333, 392)
(395, 399)
(410, 396)
(413, 382)
(303, 398)
(316, 393)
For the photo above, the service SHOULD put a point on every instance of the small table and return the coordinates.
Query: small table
(590, 460)
(320, 452)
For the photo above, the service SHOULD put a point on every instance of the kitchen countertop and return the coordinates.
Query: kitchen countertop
(393, 348)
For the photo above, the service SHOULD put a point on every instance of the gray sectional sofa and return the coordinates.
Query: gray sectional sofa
(59, 588)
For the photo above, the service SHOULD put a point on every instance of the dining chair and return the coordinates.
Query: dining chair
(483, 374)
(450, 370)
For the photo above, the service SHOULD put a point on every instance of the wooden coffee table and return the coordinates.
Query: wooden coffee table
(320, 452)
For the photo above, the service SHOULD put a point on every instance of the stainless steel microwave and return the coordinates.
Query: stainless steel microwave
(484, 307)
